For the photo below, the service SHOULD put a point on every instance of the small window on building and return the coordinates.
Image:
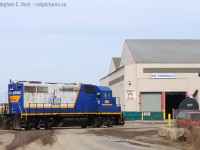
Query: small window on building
(107, 95)
(30, 89)
(42, 89)
(89, 89)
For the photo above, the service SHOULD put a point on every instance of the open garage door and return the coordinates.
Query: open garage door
(172, 101)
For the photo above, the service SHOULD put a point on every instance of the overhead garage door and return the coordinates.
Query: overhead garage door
(151, 102)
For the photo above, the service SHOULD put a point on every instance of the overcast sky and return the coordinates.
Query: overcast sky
(76, 43)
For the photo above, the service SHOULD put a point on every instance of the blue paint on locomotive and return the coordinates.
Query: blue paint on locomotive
(97, 99)
(13, 91)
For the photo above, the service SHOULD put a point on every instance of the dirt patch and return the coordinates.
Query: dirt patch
(2, 132)
(136, 136)
(123, 133)
(25, 137)
(137, 144)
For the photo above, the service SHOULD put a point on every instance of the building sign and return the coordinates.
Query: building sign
(146, 113)
(162, 76)
(130, 94)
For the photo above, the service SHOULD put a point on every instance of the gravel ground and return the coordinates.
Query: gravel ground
(141, 135)
(138, 135)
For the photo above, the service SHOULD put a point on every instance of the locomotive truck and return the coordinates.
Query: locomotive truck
(38, 105)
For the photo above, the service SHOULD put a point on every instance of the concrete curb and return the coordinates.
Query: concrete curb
(172, 133)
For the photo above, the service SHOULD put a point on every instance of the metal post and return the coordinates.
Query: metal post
(164, 115)
(75, 107)
(43, 109)
(142, 116)
(67, 107)
(59, 108)
(169, 120)
(29, 109)
(51, 108)
(36, 109)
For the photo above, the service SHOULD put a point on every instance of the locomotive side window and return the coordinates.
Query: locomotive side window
(98, 95)
(30, 89)
(89, 89)
(106, 95)
(42, 89)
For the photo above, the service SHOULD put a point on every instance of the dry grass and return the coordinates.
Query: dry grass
(194, 137)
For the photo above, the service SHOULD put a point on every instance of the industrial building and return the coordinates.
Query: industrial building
(152, 77)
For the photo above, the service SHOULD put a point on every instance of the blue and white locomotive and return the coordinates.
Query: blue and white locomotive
(36, 105)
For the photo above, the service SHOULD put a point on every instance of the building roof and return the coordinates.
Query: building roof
(165, 51)
(116, 61)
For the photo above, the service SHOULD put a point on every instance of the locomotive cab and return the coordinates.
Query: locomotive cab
(105, 100)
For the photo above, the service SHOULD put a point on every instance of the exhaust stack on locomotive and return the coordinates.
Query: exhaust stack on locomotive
(36, 105)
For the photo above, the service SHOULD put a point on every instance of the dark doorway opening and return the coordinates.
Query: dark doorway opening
(172, 101)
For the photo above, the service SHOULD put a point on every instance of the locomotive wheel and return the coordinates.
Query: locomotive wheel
(41, 125)
(96, 123)
(93, 124)
(83, 126)
(4, 124)
(110, 124)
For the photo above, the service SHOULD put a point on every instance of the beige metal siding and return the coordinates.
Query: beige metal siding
(105, 81)
(112, 67)
(118, 88)
(131, 99)
(127, 57)
(156, 85)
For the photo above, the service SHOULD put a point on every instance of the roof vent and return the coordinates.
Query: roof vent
(35, 82)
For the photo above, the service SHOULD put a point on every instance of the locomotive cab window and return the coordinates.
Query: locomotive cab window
(89, 89)
(98, 95)
(107, 95)
(30, 89)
